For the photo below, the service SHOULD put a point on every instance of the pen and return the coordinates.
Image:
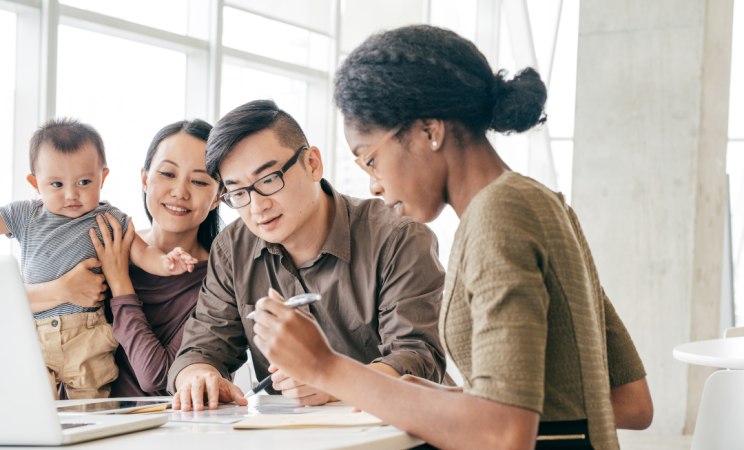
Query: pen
(260, 387)
(294, 302)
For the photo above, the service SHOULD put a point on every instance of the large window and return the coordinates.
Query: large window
(273, 39)
(169, 15)
(129, 68)
(127, 91)
(7, 97)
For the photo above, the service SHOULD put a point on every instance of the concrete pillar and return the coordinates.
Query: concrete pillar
(649, 181)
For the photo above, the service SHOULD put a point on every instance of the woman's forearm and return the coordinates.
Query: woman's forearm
(120, 285)
(632, 405)
(447, 420)
(43, 296)
(149, 357)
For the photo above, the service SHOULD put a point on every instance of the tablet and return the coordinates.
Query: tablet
(110, 407)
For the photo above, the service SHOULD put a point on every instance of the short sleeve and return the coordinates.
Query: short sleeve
(16, 216)
(118, 214)
(503, 266)
(623, 361)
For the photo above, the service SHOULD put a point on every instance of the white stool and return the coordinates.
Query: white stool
(720, 418)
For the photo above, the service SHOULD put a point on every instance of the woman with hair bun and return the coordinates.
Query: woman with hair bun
(545, 358)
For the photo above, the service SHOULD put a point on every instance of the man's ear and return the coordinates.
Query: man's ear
(32, 180)
(103, 177)
(315, 163)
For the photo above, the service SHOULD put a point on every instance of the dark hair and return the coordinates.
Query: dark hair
(425, 72)
(210, 227)
(246, 120)
(67, 136)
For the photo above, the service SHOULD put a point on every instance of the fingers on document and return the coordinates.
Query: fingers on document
(213, 393)
(182, 399)
(197, 394)
(237, 395)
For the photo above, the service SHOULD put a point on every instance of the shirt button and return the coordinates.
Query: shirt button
(55, 323)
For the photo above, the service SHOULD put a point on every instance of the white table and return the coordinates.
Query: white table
(184, 436)
(718, 424)
(721, 353)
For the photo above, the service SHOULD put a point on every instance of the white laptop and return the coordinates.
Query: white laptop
(28, 415)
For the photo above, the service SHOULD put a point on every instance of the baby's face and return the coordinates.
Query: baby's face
(69, 184)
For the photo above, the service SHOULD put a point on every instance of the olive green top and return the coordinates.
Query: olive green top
(524, 316)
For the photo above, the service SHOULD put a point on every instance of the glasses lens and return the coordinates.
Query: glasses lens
(270, 184)
(370, 171)
(237, 199)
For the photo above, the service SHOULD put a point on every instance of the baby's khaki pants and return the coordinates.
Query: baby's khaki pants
(79, 351)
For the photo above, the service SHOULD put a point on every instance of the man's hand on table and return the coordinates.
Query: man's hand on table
(198, 383)
(300, 393)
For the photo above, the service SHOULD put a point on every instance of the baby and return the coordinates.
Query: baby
(68, 168)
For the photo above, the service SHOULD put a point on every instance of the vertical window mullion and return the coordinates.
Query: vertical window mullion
(215, 59)
(48, 68)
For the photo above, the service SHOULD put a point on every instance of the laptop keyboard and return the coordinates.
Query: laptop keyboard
(67, 426)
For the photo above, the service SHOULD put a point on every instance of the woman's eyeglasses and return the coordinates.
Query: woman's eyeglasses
(267, 185)
(363, 160)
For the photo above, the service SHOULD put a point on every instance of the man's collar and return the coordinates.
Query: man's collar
(338, 242)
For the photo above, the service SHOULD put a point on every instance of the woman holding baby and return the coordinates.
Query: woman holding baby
(150, 311)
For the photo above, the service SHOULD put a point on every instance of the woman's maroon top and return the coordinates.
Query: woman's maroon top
(149, 327)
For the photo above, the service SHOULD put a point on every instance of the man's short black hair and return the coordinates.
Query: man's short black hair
(246, 120)
(66, 136)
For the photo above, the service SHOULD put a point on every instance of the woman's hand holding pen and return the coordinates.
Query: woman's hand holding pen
(292, 340)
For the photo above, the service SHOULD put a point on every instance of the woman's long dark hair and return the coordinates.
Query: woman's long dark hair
(425, 72)
(210, 228)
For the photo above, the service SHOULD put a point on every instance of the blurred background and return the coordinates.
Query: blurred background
(645, 130)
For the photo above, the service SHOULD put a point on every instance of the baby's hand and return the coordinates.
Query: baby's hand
(178, 261)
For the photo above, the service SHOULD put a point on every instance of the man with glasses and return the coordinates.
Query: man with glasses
(378, 274)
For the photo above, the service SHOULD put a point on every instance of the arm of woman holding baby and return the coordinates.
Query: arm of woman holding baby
(149, 258)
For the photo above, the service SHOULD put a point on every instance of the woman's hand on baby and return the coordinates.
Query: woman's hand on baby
(178, 261)
(113, 253)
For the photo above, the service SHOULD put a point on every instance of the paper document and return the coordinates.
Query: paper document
(230, 414)
(151, 409)
(264, 421)
(259, 405)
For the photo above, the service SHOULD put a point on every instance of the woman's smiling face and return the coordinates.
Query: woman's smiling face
(180, 193)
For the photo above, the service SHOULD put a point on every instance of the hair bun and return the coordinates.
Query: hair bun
(519, 103)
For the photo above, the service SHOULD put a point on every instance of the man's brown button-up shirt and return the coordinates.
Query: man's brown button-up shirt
(379, 276)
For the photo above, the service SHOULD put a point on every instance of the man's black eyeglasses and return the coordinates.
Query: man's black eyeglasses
(268, 185)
